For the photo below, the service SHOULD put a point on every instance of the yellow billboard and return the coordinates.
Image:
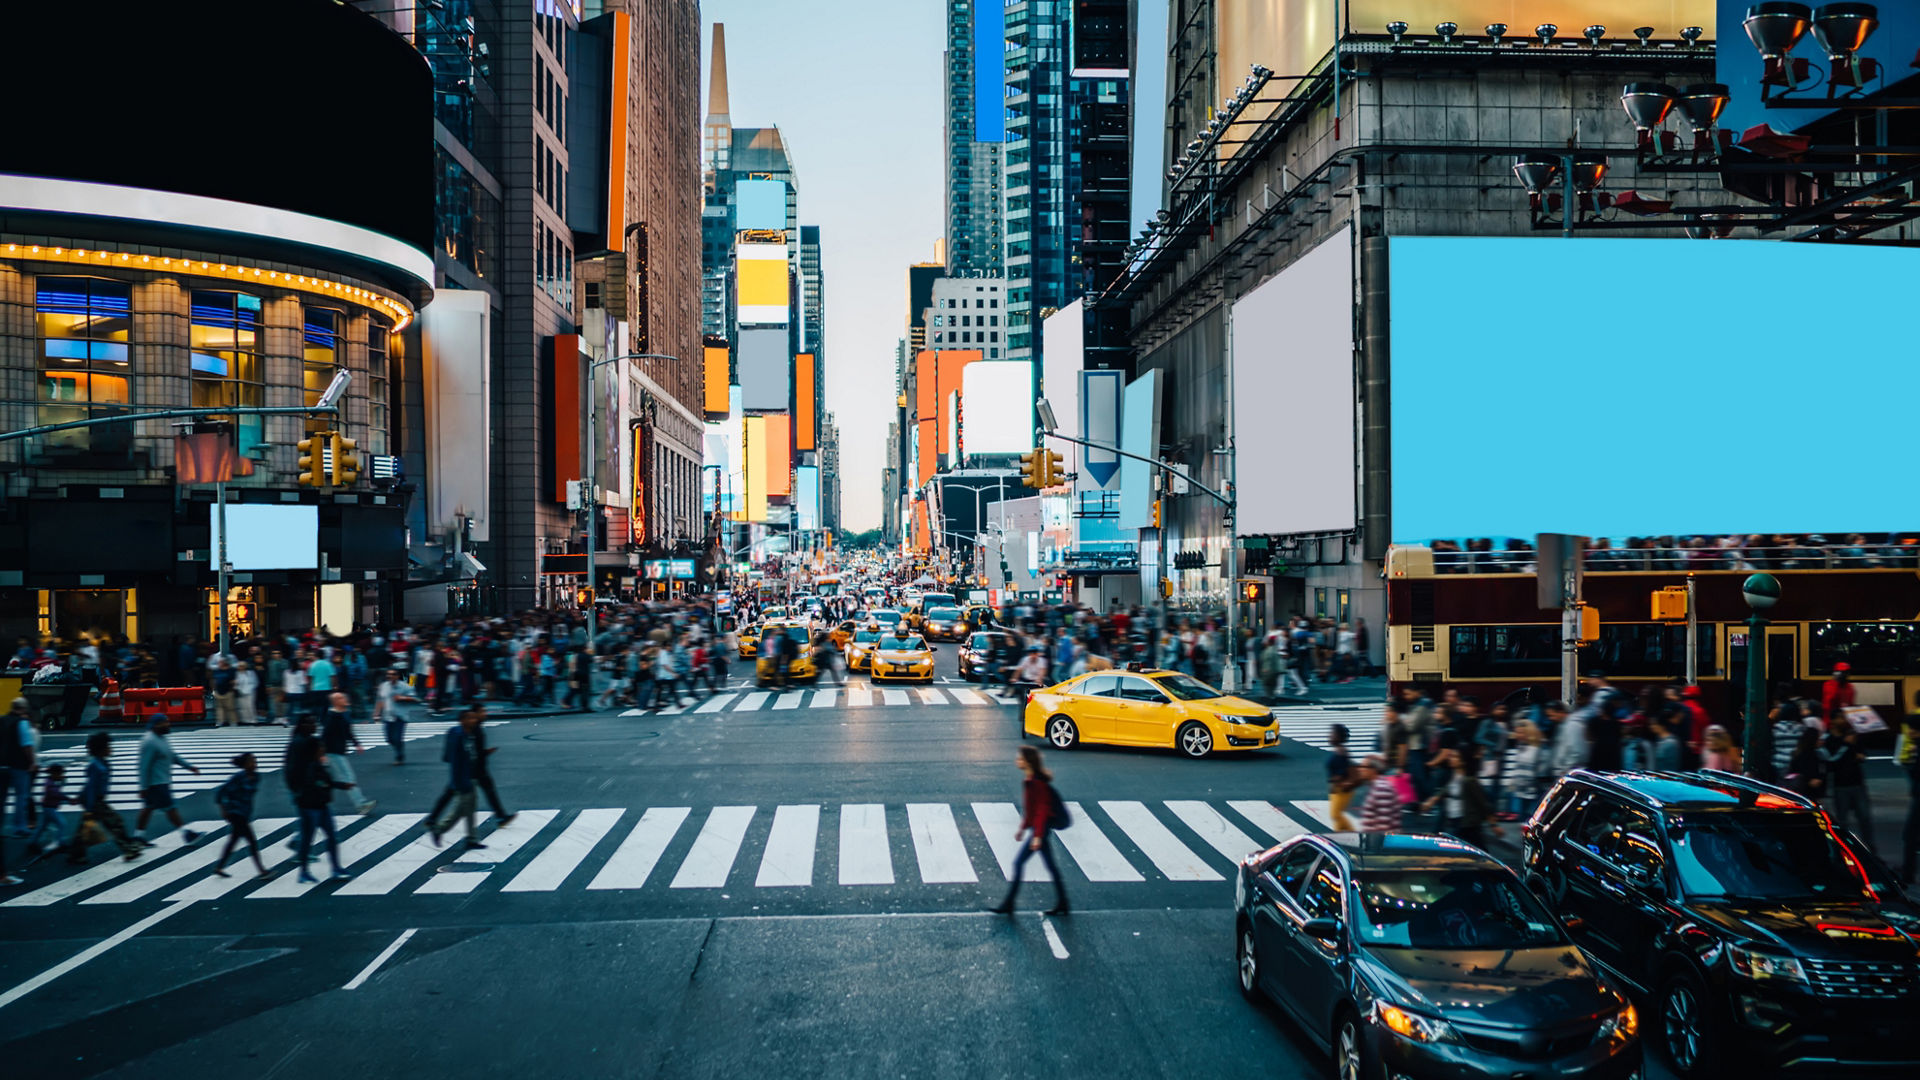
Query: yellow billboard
(717, 380)
(760, 271)
(756, 454)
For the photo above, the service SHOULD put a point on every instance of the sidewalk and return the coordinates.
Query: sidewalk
(1360, 691)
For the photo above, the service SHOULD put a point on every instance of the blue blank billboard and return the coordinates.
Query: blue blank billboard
(760, 204)
(1651, 387)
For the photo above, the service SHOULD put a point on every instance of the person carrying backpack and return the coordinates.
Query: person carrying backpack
(1045, 812)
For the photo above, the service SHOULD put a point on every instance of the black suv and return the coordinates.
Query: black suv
(1754, 927)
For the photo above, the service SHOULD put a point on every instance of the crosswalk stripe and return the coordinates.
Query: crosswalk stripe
(1000, 821)
(634, 859)
(388, 873)
(1158, 843)
(790, 846)
(716, 703)
(967, 697)
(823, 699)
(790, 700)
(213, 886)
(1268, 819)
(1317, 809)
(75, 884)
(672, 710)
(549, 868)
(377, 834)
(502, 844)
(199, 857)
(864, 856)
(1224, 836)
(859, 699)
(894, 697)
(752, 701)
(1097, 856)
(711, 859)
(937, 845)
(931, 696)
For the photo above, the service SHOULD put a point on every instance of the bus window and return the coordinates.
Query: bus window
(1872, 648)
(1532, 650)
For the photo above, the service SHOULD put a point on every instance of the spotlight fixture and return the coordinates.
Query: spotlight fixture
(1775, 28)
(1161, 216)
(1702, 104)
(1589, 172)
(1445, 31)
(1842, 29)
(1594, 33)
(1396, 28)
(1545, 32)
(1691, 35)
(1537, 171)
(1496, 31)
(1647, 105)
(1261, 71)
(1644, 33)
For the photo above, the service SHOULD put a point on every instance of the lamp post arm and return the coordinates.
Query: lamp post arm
(173, 414)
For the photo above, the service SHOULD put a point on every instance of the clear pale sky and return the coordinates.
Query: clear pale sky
(856, 90)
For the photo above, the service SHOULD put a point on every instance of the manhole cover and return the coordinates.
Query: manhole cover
(589, 736)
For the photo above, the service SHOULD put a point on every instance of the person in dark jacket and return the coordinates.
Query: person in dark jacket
(95, 809)
(235, 798)
(1036, 831)
(311, 786)
(461, 752)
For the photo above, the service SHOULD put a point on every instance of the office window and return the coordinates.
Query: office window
(320, 337)
(84, 324)
(225, 337)
(379, 376)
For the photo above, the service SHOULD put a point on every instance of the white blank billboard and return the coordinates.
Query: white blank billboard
(766, 370)
(997, 403)
(267, 537)
(1293, 395)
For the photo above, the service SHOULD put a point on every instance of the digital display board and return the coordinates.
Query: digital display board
(1649, 387)
(266, 537)
(760, 204)
(718, 374)
(997, 407)
(766, 370)
(761, 274)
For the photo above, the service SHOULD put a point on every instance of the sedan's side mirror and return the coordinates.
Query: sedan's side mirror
(1322, 929)
(1644, 878)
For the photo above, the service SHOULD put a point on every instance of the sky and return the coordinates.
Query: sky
(856, 91)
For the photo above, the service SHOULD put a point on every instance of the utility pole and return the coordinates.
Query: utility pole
(1693, 637)
(1229, 563)
(225, 572)
(1570, 625)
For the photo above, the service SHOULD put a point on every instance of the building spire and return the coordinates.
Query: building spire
(717, 89)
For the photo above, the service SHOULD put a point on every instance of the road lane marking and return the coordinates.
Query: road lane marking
(86, 879)
(711, 859)
(716, 703)
(637, 854)
(1053, 939)
(790, 846)
(1268, 819)
(859, 699)
(364, 842)
(937, 845)
(1158, 843)
(159, 877)
(931, 696)
(792, 699)
(1000, 821)
(213, 886)
(385, 954)
(1097, 856)
(1317, 809)
(502, 844)
(389, 872)
(89, 953)
(551, 867)
(752, 701)
(1225, 837)
(864, 856)
(966, 697)
(895, 697)
(823, 699)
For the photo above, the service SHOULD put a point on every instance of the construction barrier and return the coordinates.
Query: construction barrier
(178, 703)
(111, 710)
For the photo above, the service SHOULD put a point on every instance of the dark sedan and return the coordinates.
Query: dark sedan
(1416, 956)
(978, 649)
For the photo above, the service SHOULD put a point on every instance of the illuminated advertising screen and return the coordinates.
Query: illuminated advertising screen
(718, 374)
(806, 497)
(766, 370)
(760, 204)
(637, 507)
(1723, 386)
(761, 273)
(997, 407)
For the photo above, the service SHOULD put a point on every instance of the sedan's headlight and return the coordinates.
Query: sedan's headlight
(1623, 1025)
(1412, 1025)
(1759, 966)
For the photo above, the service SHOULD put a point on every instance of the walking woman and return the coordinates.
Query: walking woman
(235, 798)
(1044, 811)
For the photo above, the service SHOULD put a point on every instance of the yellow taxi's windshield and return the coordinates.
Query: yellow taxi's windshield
(1185, 687)
(907, 644)
(867, 637)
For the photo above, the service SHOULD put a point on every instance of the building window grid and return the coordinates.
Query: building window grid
(84, 327)
(224, 336)
(379, 376)
(320, 334)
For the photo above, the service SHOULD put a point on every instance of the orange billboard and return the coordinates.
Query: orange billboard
(805, 407)
(777, 447)
(717, 379)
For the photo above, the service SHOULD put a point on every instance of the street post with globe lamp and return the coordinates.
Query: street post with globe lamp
(1761, 591)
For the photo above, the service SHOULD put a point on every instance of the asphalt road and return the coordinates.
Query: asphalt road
(791, 889)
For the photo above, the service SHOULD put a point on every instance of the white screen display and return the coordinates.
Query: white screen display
(997, 403)
(265, 537)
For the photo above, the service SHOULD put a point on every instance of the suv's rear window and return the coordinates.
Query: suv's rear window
(1763, 856)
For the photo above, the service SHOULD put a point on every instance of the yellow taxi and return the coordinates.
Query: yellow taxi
(749, 642)
(1148, 708)
(843, 632)
(860, 649)
(900, 658)
(800, 665)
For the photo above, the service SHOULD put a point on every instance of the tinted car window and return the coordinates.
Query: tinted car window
(979, 641)
(1450, 909)
(1620, 834)
(1763, 856)
(1320, 896)
(910, 644)
(1293, 867)
(1186, 687)
(1099, 686)
(1135, 688)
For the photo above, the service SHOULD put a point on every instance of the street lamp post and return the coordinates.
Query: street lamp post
(1761, 592)
(588, 497)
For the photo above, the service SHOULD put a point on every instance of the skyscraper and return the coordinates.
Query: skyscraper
(974, 131)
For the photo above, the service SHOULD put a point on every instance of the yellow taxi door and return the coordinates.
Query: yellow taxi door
(1095, 706)
(1145, 715)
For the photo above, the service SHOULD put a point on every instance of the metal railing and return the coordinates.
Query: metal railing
(1676, 559)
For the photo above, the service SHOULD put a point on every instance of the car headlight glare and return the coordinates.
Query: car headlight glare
(1623, 1025)
(1760, 966)
(1412, 1025)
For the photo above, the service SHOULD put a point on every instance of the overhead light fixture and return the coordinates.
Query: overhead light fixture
(1842, 30)
(1446, 30)
(1702, 104)
(1537, 171)
(1161, 216)
(1647, 105)
(1691, 35)
(1589, 172)
(1545, 32)
(1396, 28)
(1644, 33)
(1261, 71)
(1594, 33)
(1496, 31)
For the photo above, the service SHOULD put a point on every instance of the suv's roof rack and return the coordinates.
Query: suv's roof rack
(1636, 785)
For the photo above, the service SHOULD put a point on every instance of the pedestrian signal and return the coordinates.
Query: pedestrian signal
(1589, 625)
(1670, 604)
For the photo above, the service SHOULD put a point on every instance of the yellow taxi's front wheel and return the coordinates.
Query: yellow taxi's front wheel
(1194, 740)
(1063, 733)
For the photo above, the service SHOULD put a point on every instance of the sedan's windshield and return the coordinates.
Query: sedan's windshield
(1186, 687)
(910, 644)
(1450, 909)
(1763, 856)
(943, 614)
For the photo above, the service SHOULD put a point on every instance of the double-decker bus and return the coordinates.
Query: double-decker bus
(1472, 620)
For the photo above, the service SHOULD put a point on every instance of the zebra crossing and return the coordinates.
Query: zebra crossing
(663, 849)
(1310, 723)
(851, 696)
(211, 750)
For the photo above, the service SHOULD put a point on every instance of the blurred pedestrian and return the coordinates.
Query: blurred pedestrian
(246, 688)
(336, 735)
(1717, 750)
(1381, 810)
(304, 767)
(1907, 756)
(460, 750)
(1464, 810)
(1341, 779)
(46, 836)
(1044, 811)
(98, 819)
(1847, 780)
(392, 698)
(235, 799)
(157, 759)
(19, 747)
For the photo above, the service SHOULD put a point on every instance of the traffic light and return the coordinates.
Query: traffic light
(1252, 592)
(1056, 468)
(1670, 604)
(310, 471)
(346, 467)
(1156, 513)
(1031, 469)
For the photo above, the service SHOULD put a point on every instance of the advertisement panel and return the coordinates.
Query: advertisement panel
(760, 204)
(765, 370)
(756, 455)
(997, 405)
(265, 537)
(806, 497)
(1101, 393)
(1293, 387)
(761, 274)
(718, 376)
(638, 507)
(777, 446)
(1139, 434)
(1769, 419)
(805, 408)
(1063, 341)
